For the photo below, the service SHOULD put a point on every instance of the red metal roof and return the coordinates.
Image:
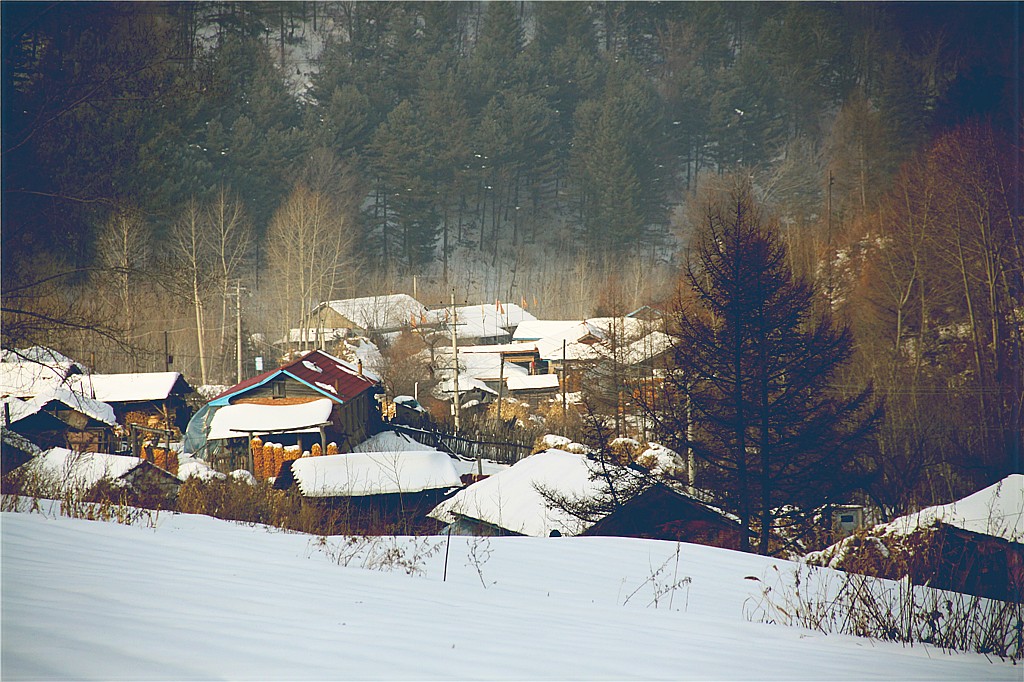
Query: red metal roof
(335, 377)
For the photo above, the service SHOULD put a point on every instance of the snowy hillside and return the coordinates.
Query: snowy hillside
(198, 598)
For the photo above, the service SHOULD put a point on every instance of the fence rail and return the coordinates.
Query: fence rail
(503, 452)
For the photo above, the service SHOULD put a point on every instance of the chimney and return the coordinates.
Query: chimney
(359, 365)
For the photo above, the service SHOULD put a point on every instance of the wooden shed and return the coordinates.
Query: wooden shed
(660, 513)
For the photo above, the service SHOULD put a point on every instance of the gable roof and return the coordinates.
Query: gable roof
(82, 469)
(333, 377)
(379, 313)
(654, 512)
(482, 320)
(94, 409)
(997, 510)
(510, 499)
(532, 382)
(138, 387)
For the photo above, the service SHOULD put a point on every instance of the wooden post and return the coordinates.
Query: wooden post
(238, 325)
(455, 355)
(501, 382)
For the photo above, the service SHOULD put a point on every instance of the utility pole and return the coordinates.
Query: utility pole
(238, 327)
(565, 419)
(501, 383)
(455, 355)
(167, 354)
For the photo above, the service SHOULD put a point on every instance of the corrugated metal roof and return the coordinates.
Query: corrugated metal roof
(335, 378)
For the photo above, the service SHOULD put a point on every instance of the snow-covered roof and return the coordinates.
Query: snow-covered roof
(487, 366)
(380, 313)
(532, 382)
(29, 379)
(81, 470)
(483, 320)
(126, 388)
(38, 355)
(552, 349)
(357, 474)
(389, 441)
(236, 421)
(510, 500)
(94, 409)
(520, 347)
(647, 347)
(997, 510)
(18, 441)
(299, 335)
(533, 330)
(466, 384)
(616, 327)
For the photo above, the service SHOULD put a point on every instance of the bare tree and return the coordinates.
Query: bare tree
(230, 235)
(125, 248)
(191, 260)
(309, 247)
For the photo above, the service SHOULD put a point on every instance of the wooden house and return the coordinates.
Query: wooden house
(369, 314)
(61, 418)
(974, 545)
(62, 470)
(317, 398)
(661, 513)
(155, 399)
(381, 491)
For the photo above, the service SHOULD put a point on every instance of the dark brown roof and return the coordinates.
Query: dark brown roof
(319, 370)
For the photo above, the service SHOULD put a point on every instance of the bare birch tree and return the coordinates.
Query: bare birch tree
(309, 245)
(230, 235)
(190, 258)
(125, 247)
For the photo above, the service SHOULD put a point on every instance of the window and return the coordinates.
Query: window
(279, 390)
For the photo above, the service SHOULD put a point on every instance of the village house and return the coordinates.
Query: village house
(155, 399)
(510, 502)
(42, 403)
(388, 482)
(482, 324)
(59, 471)
(974, 545)
(316, 399)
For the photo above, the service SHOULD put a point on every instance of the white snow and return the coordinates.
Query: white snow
(123, 388)
(356, 474)
(997, 510)
(236, 421)
(194, 598)
(380, 313)
(80, 470)
(510, 499)
(311, 366)
(389, 441)
(534, 330)
(532, 382)
(190, 467)
(95, 409)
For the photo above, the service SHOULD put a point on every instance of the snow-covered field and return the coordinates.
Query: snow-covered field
(198, 598)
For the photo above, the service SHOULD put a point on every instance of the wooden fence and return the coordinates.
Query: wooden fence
(503, 452)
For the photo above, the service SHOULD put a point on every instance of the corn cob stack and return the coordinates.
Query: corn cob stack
(256, 447)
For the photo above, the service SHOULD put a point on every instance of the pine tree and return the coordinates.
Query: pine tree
(753, 366)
